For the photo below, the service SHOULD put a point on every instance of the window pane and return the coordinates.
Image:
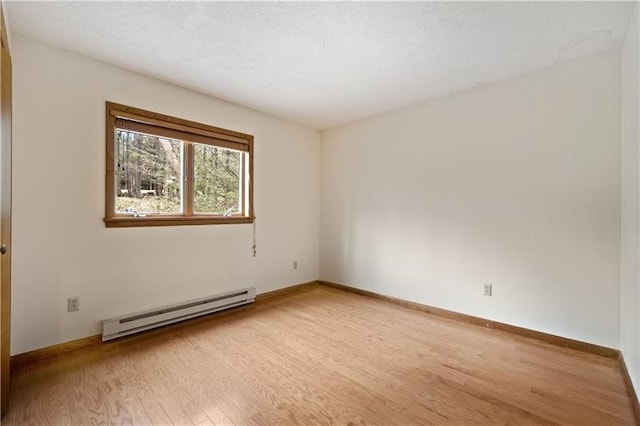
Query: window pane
(217, 178)
(148, 174)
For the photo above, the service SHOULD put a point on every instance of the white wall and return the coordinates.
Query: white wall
(630, 270)
(61, 247)
(515, 184)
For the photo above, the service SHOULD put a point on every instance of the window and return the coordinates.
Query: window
(162, 170)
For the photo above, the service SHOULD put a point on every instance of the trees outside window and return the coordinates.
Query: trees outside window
(163, 170)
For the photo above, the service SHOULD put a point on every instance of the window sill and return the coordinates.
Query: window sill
(130, 221)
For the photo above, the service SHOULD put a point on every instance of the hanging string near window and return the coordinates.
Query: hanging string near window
(253, 248)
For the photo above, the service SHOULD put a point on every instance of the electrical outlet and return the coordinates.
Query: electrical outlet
(488, 290)
(73, 304)
(295, 264)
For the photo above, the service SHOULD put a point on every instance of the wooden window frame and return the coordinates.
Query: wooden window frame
(124, 117)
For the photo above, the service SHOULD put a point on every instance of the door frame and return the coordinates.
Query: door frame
(5, 215)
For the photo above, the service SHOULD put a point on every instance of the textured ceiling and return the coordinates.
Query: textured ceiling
(325, 63)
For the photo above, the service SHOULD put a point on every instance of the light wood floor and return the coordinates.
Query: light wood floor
(322, 356)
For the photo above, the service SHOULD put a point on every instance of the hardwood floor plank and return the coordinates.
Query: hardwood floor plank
(322, 356)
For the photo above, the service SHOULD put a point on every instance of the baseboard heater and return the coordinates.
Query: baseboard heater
(122, 326)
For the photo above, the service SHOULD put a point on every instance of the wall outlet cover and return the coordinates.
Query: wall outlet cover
(73, 304)
(488, 290)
